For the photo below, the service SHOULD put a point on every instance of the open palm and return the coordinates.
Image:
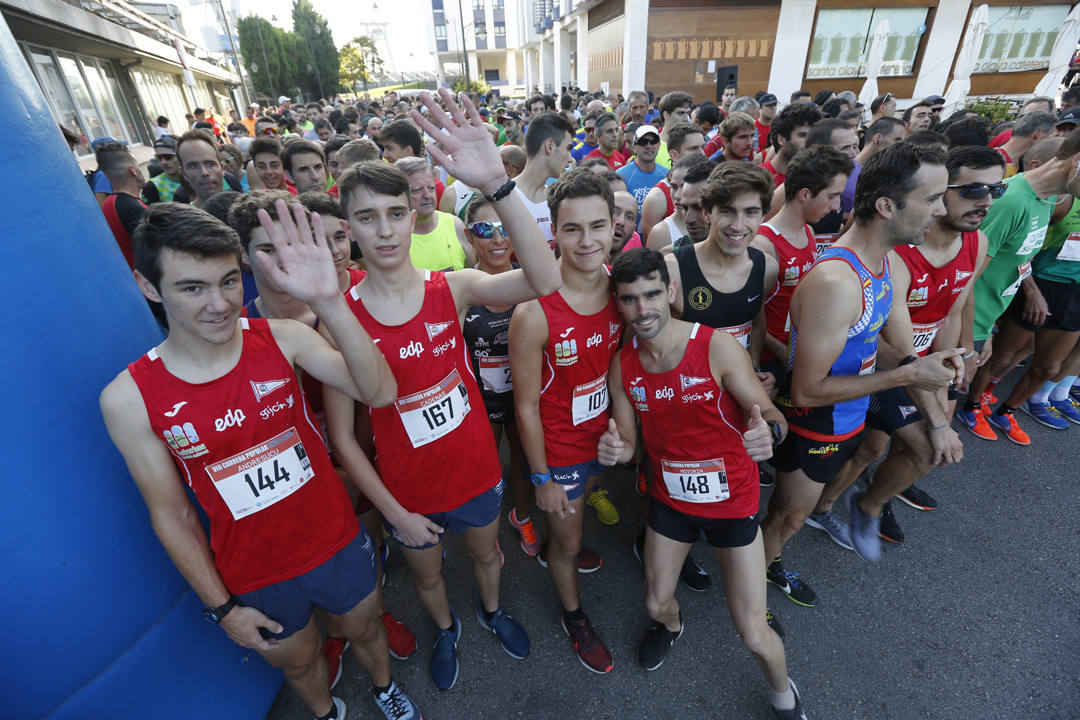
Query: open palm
(467, 151)
(304, 268)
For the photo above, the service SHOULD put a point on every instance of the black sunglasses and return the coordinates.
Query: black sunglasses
(485, 230)
(647, 140)
(977, 191)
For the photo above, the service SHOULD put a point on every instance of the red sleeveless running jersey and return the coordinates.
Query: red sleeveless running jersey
(934, 290)
(666, 189)
(249, 447)
(701, 469)
(434, 448)
(573, 379)
(794, 264)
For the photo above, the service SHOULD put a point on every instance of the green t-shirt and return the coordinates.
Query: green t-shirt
(1059, 260)
(1015, 227)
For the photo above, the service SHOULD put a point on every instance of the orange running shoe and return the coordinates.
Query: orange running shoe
(530, 541)
(975, 421)
(1008, 425)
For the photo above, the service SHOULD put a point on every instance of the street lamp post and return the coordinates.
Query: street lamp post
(464, 53)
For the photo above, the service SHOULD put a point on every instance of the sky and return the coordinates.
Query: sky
(405, 47)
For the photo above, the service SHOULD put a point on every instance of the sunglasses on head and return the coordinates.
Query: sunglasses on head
(977, 191)
(485, 230)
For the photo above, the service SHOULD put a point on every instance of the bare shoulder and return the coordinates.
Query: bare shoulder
(121, 398)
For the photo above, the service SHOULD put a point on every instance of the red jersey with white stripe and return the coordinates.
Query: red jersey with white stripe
(794, 264)
(434, 449)
(935, 290)
(573, 378)
(249, 447)
(702, 469)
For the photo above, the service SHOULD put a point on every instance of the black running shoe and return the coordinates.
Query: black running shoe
(639, 547)
(694, 576)
(791, 584)
(890, 529)
(766, 476)
(655, 645)
(917, 498)
(797, 712)
(774, 623)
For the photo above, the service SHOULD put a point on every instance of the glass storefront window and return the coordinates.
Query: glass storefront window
(842, 40)
(113, 86)
(52, 83)
(83, 100)
(109, 112)
(1020, 38)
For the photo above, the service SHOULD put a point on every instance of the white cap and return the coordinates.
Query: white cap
(644, 130)
(284, 99)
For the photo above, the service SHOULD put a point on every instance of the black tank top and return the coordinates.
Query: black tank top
(487, 337)
(734, 313)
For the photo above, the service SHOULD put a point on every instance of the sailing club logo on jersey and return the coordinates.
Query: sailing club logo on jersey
(185, 441)
(962, 275)
(262, 388)
(918, 296)
(436, 329)
(907, 410)
(613, 329)
(566, 352)
(689, 381)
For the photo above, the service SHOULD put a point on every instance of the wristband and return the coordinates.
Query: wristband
(942, 426)
(907, 361)
(968, 356)
(539, 479)
(506, 189)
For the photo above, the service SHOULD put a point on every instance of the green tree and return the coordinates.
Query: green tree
(316, 54)
(269, 56)
(360, 62)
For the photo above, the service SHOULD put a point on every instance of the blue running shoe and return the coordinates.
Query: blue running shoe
(444, 662)
(1045, 414)
(514, 639)
(865, 529)
(1074, 392)
(1068, 409)
(975, 421)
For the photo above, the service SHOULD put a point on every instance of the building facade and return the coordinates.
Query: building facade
(487, 35)
(783, 45)
(112, 71)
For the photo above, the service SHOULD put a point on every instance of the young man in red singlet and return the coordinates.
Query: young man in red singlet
(815, 181)
(689, 376)
(933, 280)
(415, 317)
(217, 406)
(560, 349)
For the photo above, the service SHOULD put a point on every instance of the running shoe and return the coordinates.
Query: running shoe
(591, 651)
(917, 498)
(384, 557)
(1074, 391)
(889, 528)
(530, 541)
(333, 649)
(598, 501)
(1068, 409)
(766, 476)
(836, 530)
(1045, 414)
(975, 421)
(639, 548)
(588, 561)
(444, 662)
(796, 713)
(395, 704)
(791, 584)
(865, 529)
(655, 645)
(339, 708)
(774, 623)
(694, 576)
(399, 639)
(1008, 425)
(642, 485)
(514, 639)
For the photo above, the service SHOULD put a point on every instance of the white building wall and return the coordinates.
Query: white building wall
(941, 46)
(791, 47)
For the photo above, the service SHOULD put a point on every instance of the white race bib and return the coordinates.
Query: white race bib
(696, 481)
(740, 333)
(1070, 250)
(429, 414)
(925, 334)
(495, 374)
(589, 400)
(260, 476)
(1024, 270)
(824, 241)
(868, 365)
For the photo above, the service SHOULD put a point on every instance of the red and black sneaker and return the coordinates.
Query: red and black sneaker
(590, 649)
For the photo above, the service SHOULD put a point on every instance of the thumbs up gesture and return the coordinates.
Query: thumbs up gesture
(611, 446)
(758, 438)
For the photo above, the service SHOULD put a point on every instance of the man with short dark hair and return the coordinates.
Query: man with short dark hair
(800, 96)
(304, 163)
(879, 135)
(737, 131)
(607, 134)
(1026, 131)
(547, 145)
(265, 152)
(401, 139)
(674, 108)
(728, 96)
(643, 172)
(201, 166)
(918, 117)
(163, 186)
(122, 207)
(789, 130)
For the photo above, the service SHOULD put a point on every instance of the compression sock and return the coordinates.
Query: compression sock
(1061, 392)
(1041, 395)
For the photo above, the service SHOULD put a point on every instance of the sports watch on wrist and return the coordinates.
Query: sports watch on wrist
(214, 615)
(539, 479)
(777, 435)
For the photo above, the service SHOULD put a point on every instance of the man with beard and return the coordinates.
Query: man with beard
(688, 205)
(789, 130)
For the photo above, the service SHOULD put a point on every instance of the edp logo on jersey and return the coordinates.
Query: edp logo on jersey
(413, 349)
(665, 393)
(232, 417)
(594, 340)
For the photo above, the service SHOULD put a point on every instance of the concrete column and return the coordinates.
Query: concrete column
(547, 65)
(530, 69)
(635, 31)
(561, 39)
(581, 55)
(511, 69)
(942, 45)
(790, 47)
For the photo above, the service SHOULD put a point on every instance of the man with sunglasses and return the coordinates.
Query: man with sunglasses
(1016, 227)
(643, 172)
(162, 188)
(588, 142)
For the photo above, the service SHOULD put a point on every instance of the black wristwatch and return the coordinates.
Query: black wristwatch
(777, 434)
(504, 191)
(214, 615)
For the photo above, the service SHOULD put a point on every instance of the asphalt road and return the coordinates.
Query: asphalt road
(975, 616)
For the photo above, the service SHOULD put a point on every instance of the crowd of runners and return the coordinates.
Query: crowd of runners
(364, 300)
